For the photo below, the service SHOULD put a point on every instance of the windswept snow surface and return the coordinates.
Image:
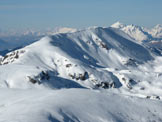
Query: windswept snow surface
(92, 75)
(75, 105)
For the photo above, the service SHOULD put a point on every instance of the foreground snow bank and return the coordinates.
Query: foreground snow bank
(75, 105)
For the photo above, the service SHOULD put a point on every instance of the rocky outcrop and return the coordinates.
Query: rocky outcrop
(80, 76)
(44, 75)
(105, 85)
(11, 57)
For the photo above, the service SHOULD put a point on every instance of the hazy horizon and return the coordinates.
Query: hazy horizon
(39, 14)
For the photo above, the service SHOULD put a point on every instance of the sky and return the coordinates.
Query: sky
(43, 14)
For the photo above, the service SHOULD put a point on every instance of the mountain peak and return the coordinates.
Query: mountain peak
(117, 25)
(158, 26)
(64, 30)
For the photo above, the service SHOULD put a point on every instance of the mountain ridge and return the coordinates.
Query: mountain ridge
(81, 76)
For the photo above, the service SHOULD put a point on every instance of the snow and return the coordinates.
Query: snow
(94, 74)
(140, 33)
(150, 38)
(61, 30)
(54, 53)
(12, 40)
(75, 105)
(156, 31)
(136, 32)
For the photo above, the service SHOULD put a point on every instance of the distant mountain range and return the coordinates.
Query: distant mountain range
(140, 34)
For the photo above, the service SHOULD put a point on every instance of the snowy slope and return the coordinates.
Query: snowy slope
(75, 56)
(91, 58)
(81, 76)
(150, 38)
(75, 105)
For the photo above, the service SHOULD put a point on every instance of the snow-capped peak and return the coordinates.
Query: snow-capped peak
(156, 31)
(136, 32)
(158, 26)
(139, 33)
(60, 30)
(118, 25)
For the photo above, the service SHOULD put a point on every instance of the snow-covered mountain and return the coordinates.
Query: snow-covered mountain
(73, 55)
(14, 40)
(136, 32)
(60, 30)
(140, 33)
(150, 38)
(156, 31)
(82, 76)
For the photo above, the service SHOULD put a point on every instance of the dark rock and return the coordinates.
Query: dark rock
(142, 88)
(11, 57)
(80, 76)
(106, 85)
(83, 76)
(44, 75)
(103, 45)
(123, 79)
(72, 76)
(157, 97)
(131, 62)
(32, 80)
(148, 97)
(68, 65)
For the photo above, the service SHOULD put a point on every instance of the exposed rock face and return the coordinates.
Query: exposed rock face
(79, 76)
(129, 82)
(106, 85)
(32, 80)
(11, 57)
(131, 62)
(153, 97)
(44, 75)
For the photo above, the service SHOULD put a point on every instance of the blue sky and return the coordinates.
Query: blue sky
(41, 14)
